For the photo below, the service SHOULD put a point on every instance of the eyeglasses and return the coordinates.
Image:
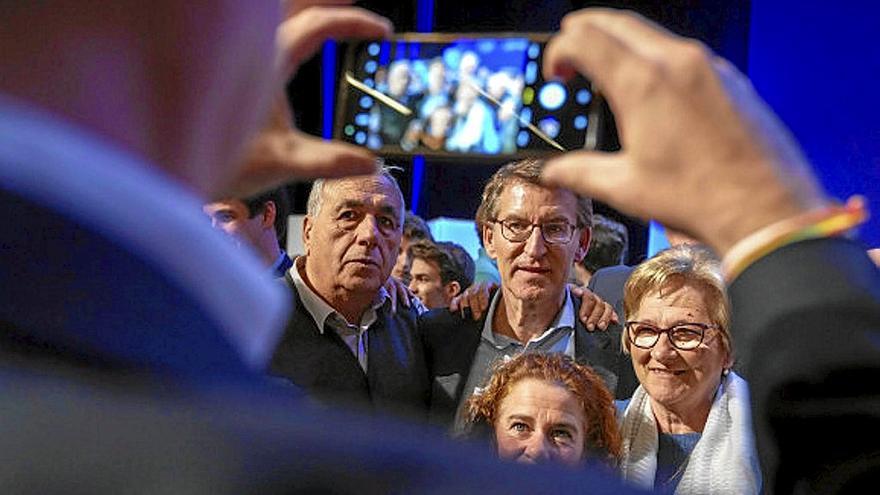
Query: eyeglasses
(553, 232)
(685, 336)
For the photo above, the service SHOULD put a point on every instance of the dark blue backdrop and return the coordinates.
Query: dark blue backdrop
(817, 64)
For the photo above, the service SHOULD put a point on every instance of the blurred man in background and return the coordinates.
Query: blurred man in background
(438, 272)
(414, 229)
(259, 222)
(608, 247)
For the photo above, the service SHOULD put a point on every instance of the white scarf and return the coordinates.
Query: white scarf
(724, 459)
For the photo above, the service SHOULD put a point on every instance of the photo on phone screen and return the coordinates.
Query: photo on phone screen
(461, 94)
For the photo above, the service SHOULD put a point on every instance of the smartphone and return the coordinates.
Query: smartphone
(462, 95)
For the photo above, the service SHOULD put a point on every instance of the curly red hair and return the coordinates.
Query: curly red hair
(602, 440)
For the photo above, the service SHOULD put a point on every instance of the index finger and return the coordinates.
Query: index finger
(276, 158)
(611, 47)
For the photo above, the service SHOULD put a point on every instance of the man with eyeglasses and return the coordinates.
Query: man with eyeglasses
(534, 233)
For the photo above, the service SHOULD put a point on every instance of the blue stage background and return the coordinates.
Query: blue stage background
(817, 64)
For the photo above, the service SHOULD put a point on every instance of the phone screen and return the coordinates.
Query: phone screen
(459, 94)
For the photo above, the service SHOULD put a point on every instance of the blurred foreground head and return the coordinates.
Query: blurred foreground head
(185, 95)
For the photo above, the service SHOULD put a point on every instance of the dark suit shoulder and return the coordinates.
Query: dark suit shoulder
(450, 344)
(611, 278)
(440, 323)
(608, 283)
(601, 350)
(444, 329)
(408, 315)
(615, 271)
(821, 276)
(437, 319)
(806, 318)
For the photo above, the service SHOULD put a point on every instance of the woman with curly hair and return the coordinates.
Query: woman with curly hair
(546, 407)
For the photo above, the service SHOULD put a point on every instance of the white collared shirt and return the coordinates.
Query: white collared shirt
(353, 334)
(92, 181)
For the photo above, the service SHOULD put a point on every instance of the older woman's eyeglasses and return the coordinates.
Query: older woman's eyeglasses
(684, 336)
(558, 232)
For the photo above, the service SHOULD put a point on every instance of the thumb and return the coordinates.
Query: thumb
(598, 175)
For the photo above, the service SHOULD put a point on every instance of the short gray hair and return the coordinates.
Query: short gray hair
(316, 196)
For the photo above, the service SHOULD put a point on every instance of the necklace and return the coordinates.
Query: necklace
(673, 478)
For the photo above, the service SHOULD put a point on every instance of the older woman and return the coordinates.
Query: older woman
(687, 428)
(546, 407)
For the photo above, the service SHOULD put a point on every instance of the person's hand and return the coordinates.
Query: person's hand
(700, 151)
(290, 8)
(874, 254)
(307, 26)
(398, 291)
(475, 297)
(280, 153)
(595, 313)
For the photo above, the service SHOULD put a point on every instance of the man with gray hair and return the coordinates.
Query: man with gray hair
(345, 343)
